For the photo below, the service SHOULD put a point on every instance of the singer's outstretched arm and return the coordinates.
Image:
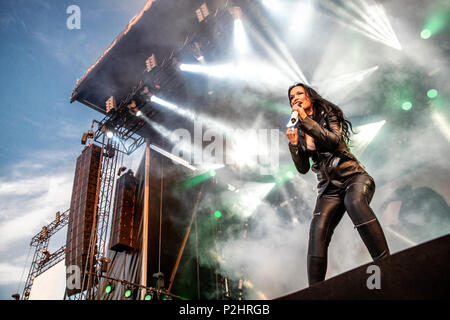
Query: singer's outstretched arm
(300, 157)
(328, 138)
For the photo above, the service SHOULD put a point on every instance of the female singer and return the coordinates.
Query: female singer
(344, 185)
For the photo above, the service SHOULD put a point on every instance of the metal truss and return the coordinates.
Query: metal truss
(42, 259)
(127, 138)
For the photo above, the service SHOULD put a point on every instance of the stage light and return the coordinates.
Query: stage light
(108, 130)
(128, 293)
(425, 34)
(16, 296)
(148, 295)
(150, 63)
(121, 169)
(109, 288)
(165, 297)
(435, 23)
(202, 12)
(432, 93)
(111, 104)
(218, 214)
(104, 264)
(407, 105)
(44, 233)
(87, 135)
(84, 138)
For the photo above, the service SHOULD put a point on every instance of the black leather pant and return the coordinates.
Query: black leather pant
(354, 197)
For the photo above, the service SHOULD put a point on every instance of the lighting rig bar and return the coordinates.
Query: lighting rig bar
(124, 135)
(60, 221)
(53, 259)
(138, 286)
(123, 123)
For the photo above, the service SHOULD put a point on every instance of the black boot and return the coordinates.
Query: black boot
(317, 267)
(374, 239)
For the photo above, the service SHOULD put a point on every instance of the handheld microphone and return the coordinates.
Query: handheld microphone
(293, 119)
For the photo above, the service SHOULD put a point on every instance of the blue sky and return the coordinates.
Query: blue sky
(41, 59)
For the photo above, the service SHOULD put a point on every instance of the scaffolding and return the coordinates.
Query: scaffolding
(97, 245)
(42, 258)
(124, 142)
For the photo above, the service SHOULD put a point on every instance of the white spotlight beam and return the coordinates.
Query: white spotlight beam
(218, 71)
(365, 134)
(280, 57)
(330, 86)
(442, 124)
(181, 111)
(240, 38)
(287, 56)
(370, 20)
(173, 157)
(252, 195)
(374, 15)
(398, 235)
(350, 21)
(282, 51)
(185, 112)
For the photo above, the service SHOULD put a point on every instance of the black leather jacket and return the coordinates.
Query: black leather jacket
(332, 160)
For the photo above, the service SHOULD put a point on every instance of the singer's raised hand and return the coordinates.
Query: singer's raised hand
(292, 135)
(300, 110)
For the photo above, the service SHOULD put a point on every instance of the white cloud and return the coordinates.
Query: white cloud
(11, 271)
(30, 203)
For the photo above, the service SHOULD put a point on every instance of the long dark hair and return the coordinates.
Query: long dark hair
(318, 101)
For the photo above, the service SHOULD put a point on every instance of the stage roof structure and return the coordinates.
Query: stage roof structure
(158, 29)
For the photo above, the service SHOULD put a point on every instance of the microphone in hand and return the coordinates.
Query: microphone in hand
(293, 120)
